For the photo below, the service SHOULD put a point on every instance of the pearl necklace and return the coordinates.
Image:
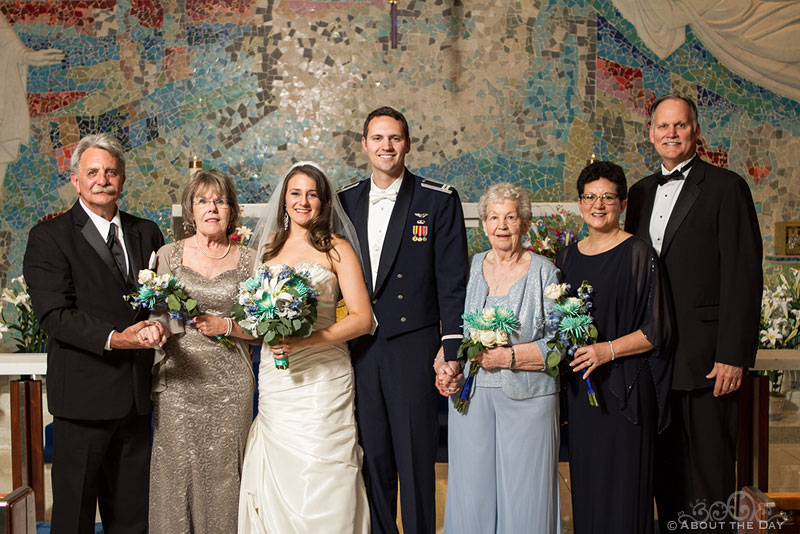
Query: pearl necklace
(206, 254)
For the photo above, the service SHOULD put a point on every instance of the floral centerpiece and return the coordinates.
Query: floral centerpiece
(29, 335)
(549, 235)
(278, 301)
(780, 323)
(486, 329)
(572, 316)
(780, 314)
(166, 293)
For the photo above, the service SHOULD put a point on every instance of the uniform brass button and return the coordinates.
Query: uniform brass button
(374, 301)
(402, 319)
(399, 275)
(399, 297)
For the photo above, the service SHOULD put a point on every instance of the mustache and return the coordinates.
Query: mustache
(107, 189)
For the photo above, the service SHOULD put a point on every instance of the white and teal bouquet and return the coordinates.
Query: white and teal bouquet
(276, 302)
(165, 293)
(486, 329)
(572, 316)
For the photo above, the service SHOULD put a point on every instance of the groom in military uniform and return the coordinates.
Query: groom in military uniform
(414, 248)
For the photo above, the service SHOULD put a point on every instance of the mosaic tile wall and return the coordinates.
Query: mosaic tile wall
(495, 90)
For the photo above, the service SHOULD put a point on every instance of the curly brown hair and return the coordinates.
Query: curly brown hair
(320, 234)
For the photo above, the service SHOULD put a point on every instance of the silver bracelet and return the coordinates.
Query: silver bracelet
(230, 326)
(613, 354)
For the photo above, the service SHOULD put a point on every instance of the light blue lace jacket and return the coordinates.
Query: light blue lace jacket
(526, 299)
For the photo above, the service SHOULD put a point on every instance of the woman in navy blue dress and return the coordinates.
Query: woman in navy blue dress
(611, 446)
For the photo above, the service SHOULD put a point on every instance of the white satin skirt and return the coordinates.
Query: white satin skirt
(302, 465)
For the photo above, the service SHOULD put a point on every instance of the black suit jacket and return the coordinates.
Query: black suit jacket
(77, 294)
(419, 282)
(712, 261)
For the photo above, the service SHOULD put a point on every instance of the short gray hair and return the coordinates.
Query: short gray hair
(102, 141)
(506, 191)
(686, 100)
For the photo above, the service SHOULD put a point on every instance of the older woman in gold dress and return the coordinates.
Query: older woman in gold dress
(202, 391)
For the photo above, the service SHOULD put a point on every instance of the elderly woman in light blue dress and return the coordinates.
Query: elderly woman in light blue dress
(503, 452)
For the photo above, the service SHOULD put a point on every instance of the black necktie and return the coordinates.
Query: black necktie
(116, 250)
(677, 174)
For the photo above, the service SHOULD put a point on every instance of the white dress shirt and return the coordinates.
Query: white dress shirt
(103, 226)
(378, 222)
(666, 197)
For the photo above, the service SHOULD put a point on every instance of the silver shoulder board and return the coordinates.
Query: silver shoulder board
(349, 186)
(436, 186)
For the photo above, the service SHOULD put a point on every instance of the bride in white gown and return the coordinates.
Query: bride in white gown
(302, 465)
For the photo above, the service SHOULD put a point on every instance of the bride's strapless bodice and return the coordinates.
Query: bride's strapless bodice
(326, 282)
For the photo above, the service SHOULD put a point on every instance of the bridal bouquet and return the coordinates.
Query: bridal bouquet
(165, 292)
(572, 316)
(276, 302)
(488, 328)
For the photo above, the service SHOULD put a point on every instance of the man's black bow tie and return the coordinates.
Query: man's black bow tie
(677, 174)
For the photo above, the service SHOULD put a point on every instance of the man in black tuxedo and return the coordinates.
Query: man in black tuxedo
(413, 245)
(78, 267)
(701, 220)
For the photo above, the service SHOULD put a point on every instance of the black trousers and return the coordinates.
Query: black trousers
(696, 461)
(398, 427)
(105, 463)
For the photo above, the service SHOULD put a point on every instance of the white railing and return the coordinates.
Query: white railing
(471, 219)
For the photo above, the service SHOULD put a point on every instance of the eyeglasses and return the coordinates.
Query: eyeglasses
(220, 203)
(589, 199)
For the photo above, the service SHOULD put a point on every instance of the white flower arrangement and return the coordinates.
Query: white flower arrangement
(780, 314)
(30, 336)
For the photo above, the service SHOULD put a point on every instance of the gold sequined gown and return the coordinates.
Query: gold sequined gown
(203, 407)
(302, 468)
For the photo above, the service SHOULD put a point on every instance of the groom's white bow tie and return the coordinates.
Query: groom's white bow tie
(376, 195)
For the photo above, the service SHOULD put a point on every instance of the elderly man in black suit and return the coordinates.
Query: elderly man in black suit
(78, 267)
(701, 220)
(414, 249)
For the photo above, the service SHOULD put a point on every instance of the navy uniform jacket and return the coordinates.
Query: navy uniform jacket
(423, 269)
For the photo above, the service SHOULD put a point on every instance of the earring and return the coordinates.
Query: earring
(285, 221)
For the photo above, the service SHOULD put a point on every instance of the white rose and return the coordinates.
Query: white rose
(487, 338)
(555, 291)
(474, 336)
(146, 276)
(502, 337)
(163, 280)
(575, 301)
(488, 314)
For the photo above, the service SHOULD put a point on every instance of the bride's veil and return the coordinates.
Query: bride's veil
(269, 221)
